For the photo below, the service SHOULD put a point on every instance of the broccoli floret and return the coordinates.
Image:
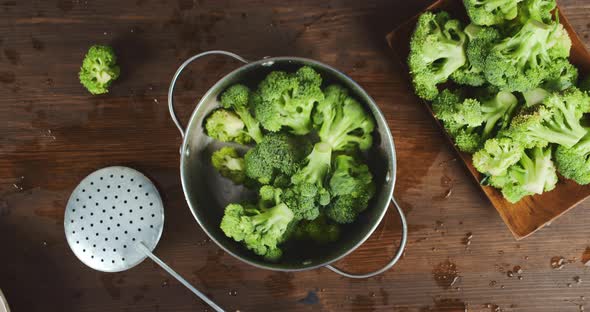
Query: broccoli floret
(320, 230)
(574, 163)
(225, 126)
(497, 155)
(561, 76)
(469, 121)
(99, 69)
(351, 186)
(539, 10)
(343, 122)
(229, 164)
(287, 100)
(491, 12)
(237, 97)
(556, 121)
(276, 154)
(437, 49)
(533, 174)
(522, 62)
(481, 39)
(261, 230)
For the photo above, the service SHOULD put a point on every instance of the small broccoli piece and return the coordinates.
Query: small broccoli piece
(320, 230)
(491, 12)
(229, 164)
(343, 122)
(226, 126)
(574, 163)
(276, 154)
(437, 50)
(539, 10)
(522, 62)
(261, 230)
(533, 174)
(469, 121)
(497, 155)
(535, 96)
(556, 121)
(351, 186)
(237, 97)
(481, 40)
(99, 69)
(561, 76)
(287, 100)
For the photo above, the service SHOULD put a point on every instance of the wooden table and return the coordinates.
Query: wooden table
(53, 133)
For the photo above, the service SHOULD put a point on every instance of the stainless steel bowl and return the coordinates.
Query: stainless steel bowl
(207, 193)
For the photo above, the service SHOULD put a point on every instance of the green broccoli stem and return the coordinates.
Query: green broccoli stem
(528, 47)
(279, 215)
(252, 125)
(500, 107)
(534, 171)
(319, 161)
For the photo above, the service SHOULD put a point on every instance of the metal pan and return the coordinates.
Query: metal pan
(207, 193)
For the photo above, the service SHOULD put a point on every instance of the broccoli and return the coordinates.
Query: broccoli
(491, 12)
(351, 186)
(229, 164)
(261, 230)
(437, 49)
(573, 163)
(342, 121)
(287, 100)
(497, 155)
(276, 154)
(469, 121)
(308, 193)
(99, 69)
(535, 96)
(533, 174)
(561, 76)
(556, 121)
(320, 230)
(539, 10)
(521, 62)
(481, 39)
(237, 97)
(226, 126)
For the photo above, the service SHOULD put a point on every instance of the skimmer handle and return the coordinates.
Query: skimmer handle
(179, 278)
(393, 261)
(179, 71)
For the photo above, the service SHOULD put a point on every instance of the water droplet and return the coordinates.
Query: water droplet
(233, 292)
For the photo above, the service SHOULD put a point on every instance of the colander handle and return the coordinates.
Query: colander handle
(393, 261)
(179, 71)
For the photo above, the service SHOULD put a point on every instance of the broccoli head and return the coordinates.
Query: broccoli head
(320, 230)
(574, 163)
(276, 154)
(491, 12)
(561, 76)
(99, 69)
(556, 121)
(437, 50)
(522, 62)
(534, 173)
(351, 187)
(343, 122)
(226, 126)
(261, 230)
(497, 155)
(229, 164)
(481, 39)
(470, 121)
(237, 97)
(286, 100)
(539, 10)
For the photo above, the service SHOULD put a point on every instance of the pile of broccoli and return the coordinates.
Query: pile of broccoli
(304, 156)
(505, 91)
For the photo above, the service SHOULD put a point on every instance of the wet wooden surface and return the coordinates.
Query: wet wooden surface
(52, 134)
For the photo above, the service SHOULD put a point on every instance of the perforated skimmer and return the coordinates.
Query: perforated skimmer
(114, 220)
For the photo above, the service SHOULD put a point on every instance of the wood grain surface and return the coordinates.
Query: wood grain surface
(52, 133)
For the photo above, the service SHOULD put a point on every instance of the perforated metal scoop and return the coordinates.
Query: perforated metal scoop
(114, 220)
